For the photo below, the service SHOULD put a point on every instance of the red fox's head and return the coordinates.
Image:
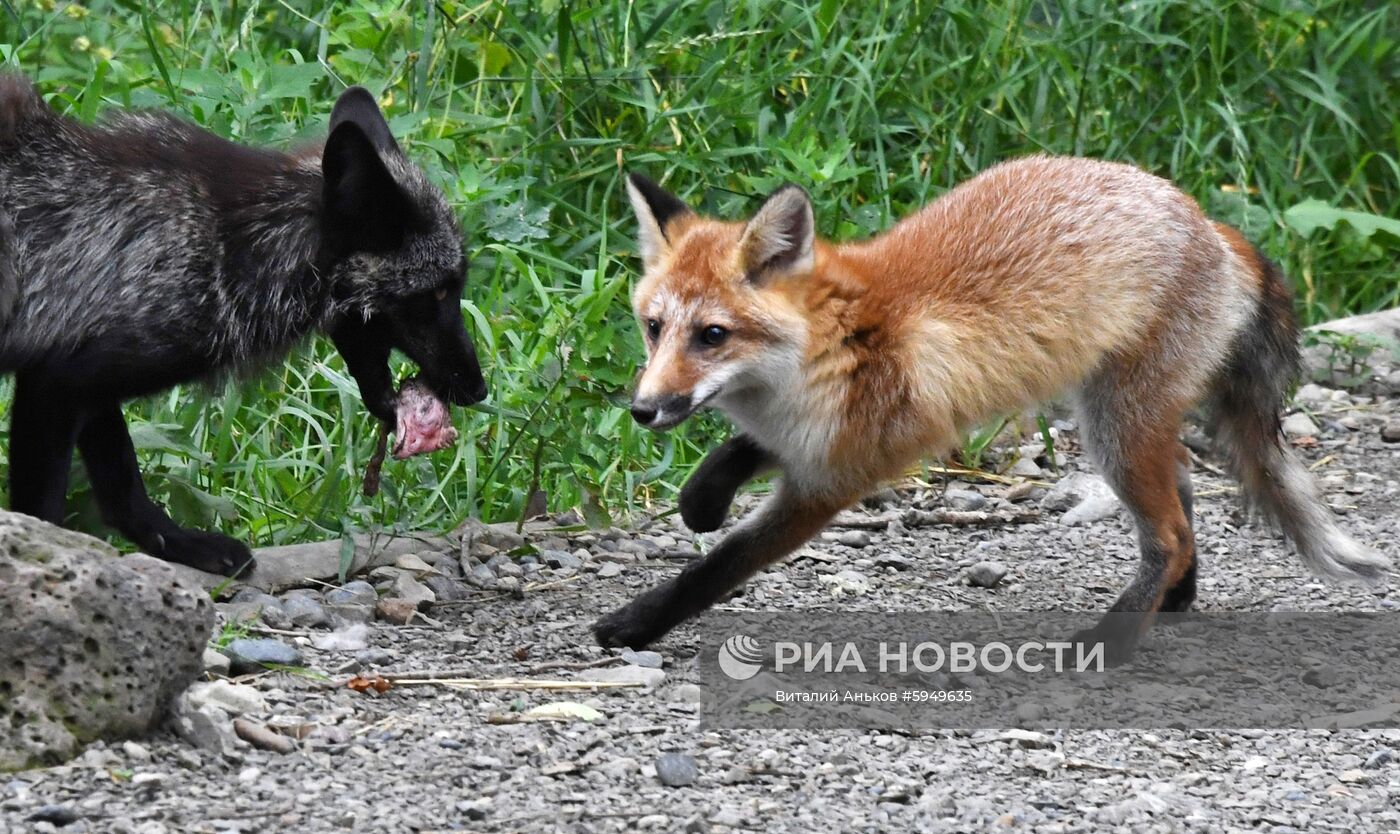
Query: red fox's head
(715, 302)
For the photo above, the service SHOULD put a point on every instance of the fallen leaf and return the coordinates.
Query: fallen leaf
(376, 683)
(562, 711)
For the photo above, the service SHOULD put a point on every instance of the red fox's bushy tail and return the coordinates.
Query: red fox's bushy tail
(1246, 400)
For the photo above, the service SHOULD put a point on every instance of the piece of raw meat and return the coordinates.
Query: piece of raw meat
(424, 425)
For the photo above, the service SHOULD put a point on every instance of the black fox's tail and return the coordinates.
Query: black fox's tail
(1246, 399)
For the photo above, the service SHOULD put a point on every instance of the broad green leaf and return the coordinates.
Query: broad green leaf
(1312, 214)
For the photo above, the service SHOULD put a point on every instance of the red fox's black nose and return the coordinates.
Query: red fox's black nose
(660, 413)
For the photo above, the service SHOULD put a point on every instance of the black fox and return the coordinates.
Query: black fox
(147, 252)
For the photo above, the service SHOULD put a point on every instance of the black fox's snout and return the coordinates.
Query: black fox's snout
(449, 365)
(431, 332)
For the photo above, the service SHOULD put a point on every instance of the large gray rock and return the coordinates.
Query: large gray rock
(1371, 341)
(1384, 324)
(92, 645)
(1082, 498)
(300, 565)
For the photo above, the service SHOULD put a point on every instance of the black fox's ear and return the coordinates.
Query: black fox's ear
(358, 107)
(779, 239)
(365, 208)
(658, 215)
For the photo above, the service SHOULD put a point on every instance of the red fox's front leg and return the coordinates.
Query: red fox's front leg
(706, 497)
(776, 529)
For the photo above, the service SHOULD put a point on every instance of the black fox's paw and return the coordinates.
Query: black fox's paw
(209, 552)
(704, 510)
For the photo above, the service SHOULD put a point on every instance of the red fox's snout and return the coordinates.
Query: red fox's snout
(660, 413)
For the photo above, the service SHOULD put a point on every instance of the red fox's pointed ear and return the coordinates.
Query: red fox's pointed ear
(780, 237)
(657, 210)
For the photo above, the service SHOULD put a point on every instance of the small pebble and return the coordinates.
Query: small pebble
(985, 574)
(305, 612)
(396, 611)
(650, 660)
(409, 588)
(1299, 424)
(253, 654)
(676, 770)
(561, 559)
(481, 576)
(352, 638)
(356, 592)
(216, 662)
(59, 815)
(854, 538)
(375, 657)
(1025, 468)
(964, 499)
(233, 698)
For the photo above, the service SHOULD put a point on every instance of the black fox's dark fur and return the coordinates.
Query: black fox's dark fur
(146, 252)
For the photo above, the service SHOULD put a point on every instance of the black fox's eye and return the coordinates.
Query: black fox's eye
(713, 335)
(441, 294)
(653, 329)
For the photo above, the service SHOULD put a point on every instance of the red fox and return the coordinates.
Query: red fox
(842, 364)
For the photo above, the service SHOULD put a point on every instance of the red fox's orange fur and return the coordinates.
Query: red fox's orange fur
(841, 364)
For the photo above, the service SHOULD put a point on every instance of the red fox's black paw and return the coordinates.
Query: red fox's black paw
(624, 629)
(1118, 646)
(702, 510)
(209, 552)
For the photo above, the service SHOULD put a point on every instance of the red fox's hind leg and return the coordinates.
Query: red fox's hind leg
(1144, 466)
(1180, 596)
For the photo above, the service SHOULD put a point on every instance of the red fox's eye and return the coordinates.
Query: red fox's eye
(713, 335)
(653, 328)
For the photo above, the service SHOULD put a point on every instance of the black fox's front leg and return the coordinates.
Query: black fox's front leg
(43, 426)
(706, 496)
(106, 448)
(778, 528)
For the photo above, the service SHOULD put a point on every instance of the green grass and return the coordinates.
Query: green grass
(527, 113)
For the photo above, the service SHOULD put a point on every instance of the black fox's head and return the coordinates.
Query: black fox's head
(394, 254)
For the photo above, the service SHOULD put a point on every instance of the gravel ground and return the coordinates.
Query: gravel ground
(429, 758)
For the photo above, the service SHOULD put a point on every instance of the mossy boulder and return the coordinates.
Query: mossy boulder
(93, 645)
